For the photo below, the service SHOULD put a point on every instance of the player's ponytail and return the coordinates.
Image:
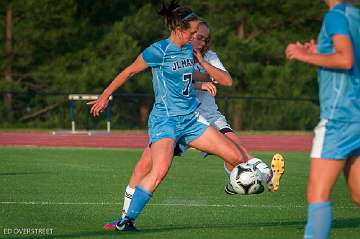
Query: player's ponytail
(177, 16)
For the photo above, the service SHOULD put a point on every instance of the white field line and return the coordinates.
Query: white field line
(169, 204)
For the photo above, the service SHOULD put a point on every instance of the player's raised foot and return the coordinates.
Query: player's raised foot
(229, 189)
(126, 225)
(278, 169)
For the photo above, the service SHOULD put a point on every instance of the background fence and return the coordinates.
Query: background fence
(130, 111)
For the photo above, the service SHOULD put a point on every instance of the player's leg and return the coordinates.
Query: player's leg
(142, 168)
(322, 177)
(328, 155)
(352, 174)
(219, 122)
(352, 166)
(234, 138)
(214, 142)
(271, 177)
(162, 136)
(161, 157)
(227, 131)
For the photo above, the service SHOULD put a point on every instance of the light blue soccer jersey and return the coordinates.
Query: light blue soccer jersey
(340, 89)
(172, 69)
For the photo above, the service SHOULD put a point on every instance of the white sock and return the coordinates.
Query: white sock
(127, 199)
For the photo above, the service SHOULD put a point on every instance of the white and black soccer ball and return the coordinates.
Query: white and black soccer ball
(245, 179)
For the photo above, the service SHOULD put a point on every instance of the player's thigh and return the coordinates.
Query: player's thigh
(220, 123)
(334, 142)
(161, 154)
(322, 177)
(352, 175)
(214, 142)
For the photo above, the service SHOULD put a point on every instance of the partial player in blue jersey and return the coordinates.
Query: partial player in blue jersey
(174, 118)
(336, 145)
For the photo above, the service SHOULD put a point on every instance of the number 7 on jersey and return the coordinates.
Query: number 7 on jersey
(188, 79)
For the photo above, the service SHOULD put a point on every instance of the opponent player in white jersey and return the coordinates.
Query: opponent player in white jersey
(214, 71)
(336, 145)
(174, 118)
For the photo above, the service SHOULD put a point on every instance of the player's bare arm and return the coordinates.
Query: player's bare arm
(343, 57)
(201, 77)
(100, 104)
(222, 77)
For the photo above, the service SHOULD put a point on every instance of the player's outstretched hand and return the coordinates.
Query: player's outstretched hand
(209, 87)
(98, 105)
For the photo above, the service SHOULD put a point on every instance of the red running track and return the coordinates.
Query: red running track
(271, 142)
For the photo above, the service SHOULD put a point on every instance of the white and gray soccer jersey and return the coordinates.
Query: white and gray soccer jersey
(208, 107)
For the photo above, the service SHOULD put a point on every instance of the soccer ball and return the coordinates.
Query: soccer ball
(245, 179)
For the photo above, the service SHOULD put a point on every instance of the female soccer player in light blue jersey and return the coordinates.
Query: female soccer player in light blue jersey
(336, 145)
(205, 92)
(173, 118)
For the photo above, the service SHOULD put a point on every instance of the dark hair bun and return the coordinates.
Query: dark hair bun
(176, 15)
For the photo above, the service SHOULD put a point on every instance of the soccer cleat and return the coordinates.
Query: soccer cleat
(278, 169)
(126, 225)
(112, 225)
(260, 190)
(229, 189)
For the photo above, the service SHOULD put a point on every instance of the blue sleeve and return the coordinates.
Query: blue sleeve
(336, 24)
(153, 55)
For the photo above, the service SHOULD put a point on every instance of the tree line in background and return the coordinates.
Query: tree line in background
(78, 46)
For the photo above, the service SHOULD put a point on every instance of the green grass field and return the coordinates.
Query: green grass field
(75, 191)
